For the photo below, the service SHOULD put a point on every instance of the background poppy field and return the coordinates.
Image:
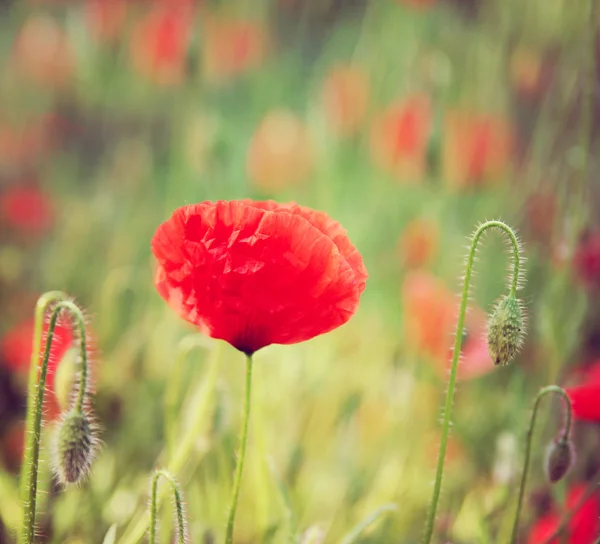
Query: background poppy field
(409, 122)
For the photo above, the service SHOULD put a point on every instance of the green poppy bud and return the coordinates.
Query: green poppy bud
(74, 447)
(559, 459)
(506, 329)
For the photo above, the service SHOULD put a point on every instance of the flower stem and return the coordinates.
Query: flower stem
(542, 393)
(237, 480)
(29, 480)
(179, 512)
(446, 422)
(40, 314)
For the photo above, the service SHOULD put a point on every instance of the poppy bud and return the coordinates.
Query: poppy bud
(559, 459)
(506, 328)
(74, 447)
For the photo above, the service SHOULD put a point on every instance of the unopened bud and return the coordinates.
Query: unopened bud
(559, 459)
(74, 447)
(506, 329)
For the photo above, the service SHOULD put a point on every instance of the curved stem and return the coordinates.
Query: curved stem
(41, 308)
(448, 405)
(542, 393)
(237, 480)
(32, 451)
(179, 512)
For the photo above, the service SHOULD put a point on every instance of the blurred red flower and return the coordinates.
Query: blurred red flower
(159, 44)
(105, 19)
(585, 397)
(42, 52)
(345, 97)
(23, 144)
(399, 138)
(280, 152)
(419, 4)
(15, 351)
(430, 316)
(232, 47)
(26, 209)
(477, 148)
(586, 259)
(583, 527)
(258, 273)
(419, 242)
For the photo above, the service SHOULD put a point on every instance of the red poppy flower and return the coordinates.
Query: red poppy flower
(477, 148)
(232, 47)
(345, 98)
(105, 19)
(583, 527)
(159, 45)
(430, 316)
(15, 349)
(258, 273)
(586, 259)
(42, 52)
(280, 152)
(418, 243)
(399, 138)
(584, 397)
(26, 209)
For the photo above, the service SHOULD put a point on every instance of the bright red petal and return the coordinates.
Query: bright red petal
(256, 274)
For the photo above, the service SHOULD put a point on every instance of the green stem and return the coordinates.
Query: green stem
(29, 481)
(179, 511)
(237, 480)
(40, 314)
(542, 393)
(446, 422)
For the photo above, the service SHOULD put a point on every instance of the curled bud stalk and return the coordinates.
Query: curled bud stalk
(180, 522)
(506, 330)
(517, 259)
(560, 458)
(75, 445)
(29, 474)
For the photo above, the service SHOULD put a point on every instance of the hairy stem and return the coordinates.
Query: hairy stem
(446, 422)
(179, 512)
(29, 480)
(237, 480)
(542, 393)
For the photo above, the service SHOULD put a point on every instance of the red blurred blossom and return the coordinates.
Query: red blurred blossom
(585, 396)
(42, 52)
(400, 136)
(526, 69)
(26, 209)
(105, 19)
(430, 317)
(159, 44)
(23, 144)
(418, 4)
(15, 351)
(419, 242)
(280, 152)
(477, 148)
(345, 97)
(584, 526)
(232, 47)
(540, 214)
(586, 259)
(258, 273)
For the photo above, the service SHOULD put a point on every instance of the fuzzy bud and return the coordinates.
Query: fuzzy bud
(74, 447)
(559, 459)
(506, 328)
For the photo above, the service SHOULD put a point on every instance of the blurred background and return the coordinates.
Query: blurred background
(408, 121)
